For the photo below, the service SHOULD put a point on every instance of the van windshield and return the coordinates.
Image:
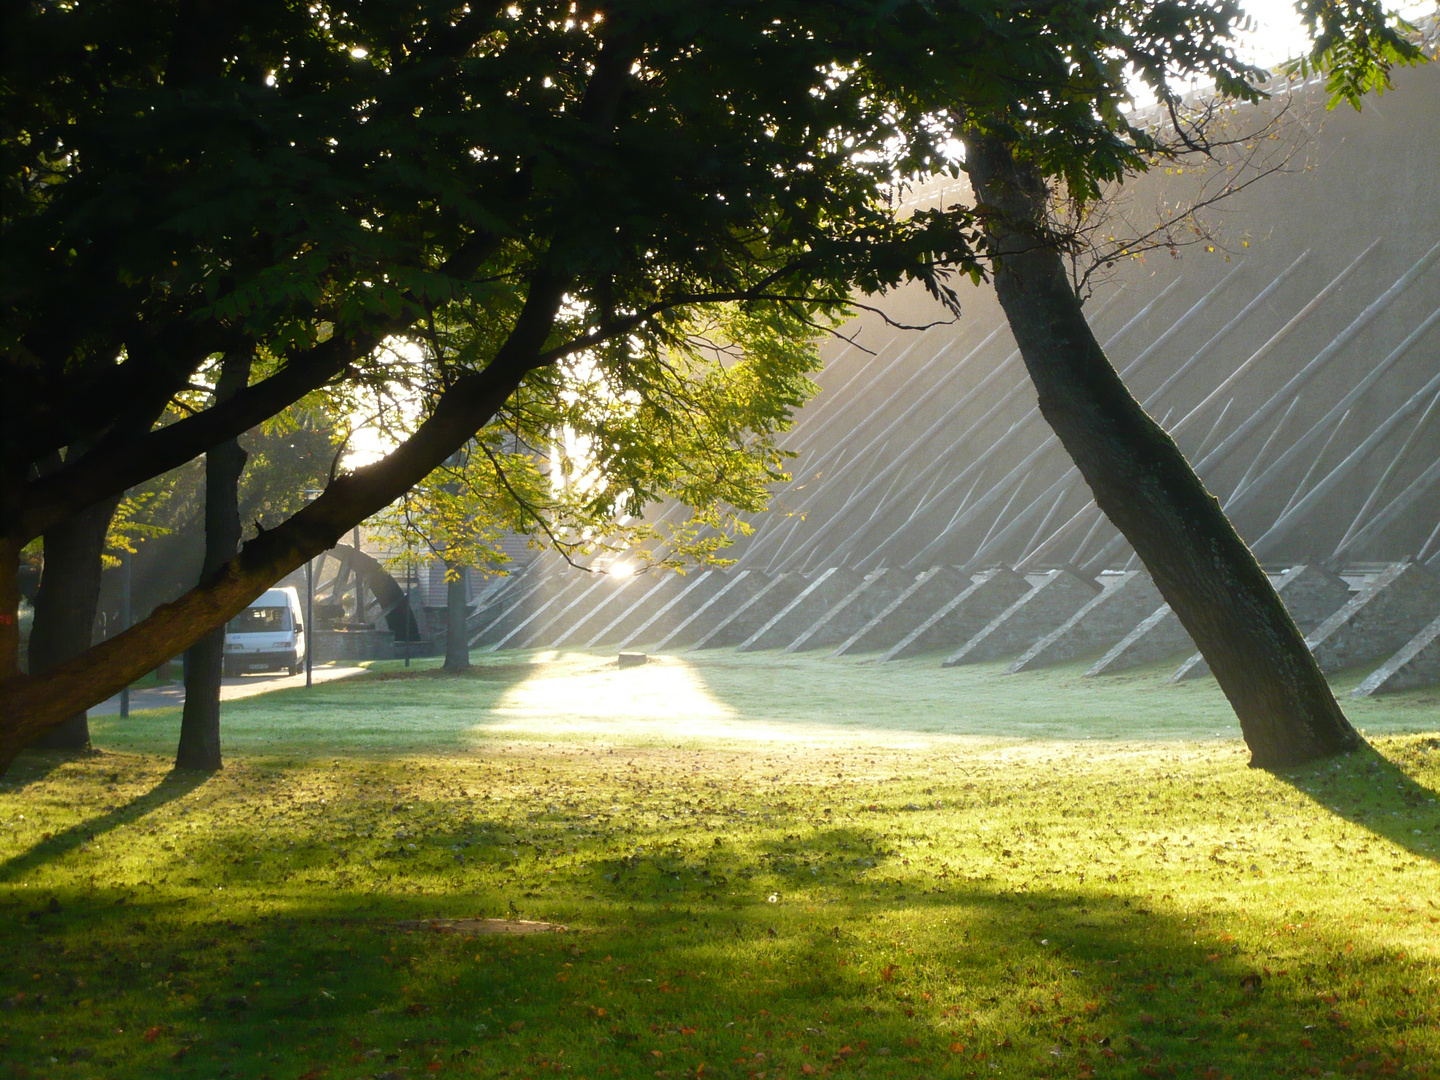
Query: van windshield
(260, 620)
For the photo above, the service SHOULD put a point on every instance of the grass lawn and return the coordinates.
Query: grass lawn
(767, 867)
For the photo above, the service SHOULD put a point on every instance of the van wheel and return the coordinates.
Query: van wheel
(295, 669)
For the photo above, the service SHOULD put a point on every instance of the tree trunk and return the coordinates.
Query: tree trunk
(65, 609)
(205, 660)
(457, 643)
(1147, 489)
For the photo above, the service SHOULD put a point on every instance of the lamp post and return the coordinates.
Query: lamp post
(309, 620)
(311, 494)
(409, 605)
(124, 622)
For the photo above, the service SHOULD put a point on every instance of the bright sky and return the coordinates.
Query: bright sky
(1278, 34)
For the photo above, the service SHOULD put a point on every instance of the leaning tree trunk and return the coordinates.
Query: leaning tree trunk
(457, 643)
(65, 608)
(205, 660)
(1147, 489)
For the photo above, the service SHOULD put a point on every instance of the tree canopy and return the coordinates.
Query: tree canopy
(579, 189)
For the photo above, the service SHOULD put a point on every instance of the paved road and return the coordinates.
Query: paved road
(160, 697)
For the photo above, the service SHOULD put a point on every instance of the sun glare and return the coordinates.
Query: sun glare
(591, 695)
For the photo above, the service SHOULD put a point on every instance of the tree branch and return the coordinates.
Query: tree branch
(32, 703)
(122, 460)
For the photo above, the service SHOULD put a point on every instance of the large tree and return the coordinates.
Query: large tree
(1138, 475)
(1143, 483)
(324, 181)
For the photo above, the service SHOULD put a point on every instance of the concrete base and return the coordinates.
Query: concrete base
(762, 606)
(1311, 595)
(917, 600)
(352, 646)
(963, 616)
(659, 587)
(516, 605)
(1095, 627)
(545, 615)
(1380, 620)
(613, 597)
(1416, 664)
(828, 588)
(853, 611)
(658, 625)
(494, 605)
(1158, 637)
(1039, 611)
(737, 589)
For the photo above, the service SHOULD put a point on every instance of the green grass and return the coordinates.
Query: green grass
(767, 866)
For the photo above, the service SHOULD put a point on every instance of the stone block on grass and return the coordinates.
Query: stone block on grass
(961, 617)
(1097, 625)
(737, 588)
(1379, 620)
(825, 590)
(914, 603)
(875, 592)
(1416, 664)
(762, 606)
(1042, 609)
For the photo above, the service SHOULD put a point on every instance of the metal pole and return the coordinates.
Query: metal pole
(309, 621)
(409, 608)
(124, 622)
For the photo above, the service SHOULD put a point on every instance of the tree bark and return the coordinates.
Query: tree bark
(1147, 489)
(131, 454)
(199, 746)
(457, 644)
(65, 609)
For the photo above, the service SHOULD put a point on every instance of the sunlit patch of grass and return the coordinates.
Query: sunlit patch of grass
(721, 698)
(881, 899)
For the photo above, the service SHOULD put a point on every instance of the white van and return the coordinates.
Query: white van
(267, 635)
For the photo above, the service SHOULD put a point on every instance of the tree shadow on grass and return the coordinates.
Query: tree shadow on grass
(388, 712)
(1373, 791)
(1030, 982)
(174, 785)
(34, 766)
(1149, 988)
